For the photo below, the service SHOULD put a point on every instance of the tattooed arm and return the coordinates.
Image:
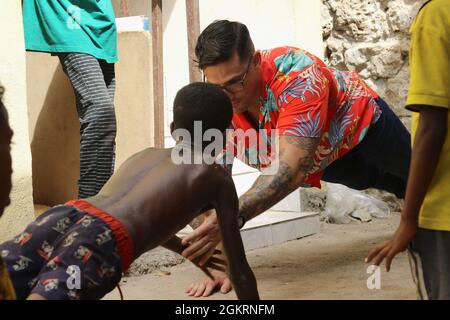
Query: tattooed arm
(296, 159)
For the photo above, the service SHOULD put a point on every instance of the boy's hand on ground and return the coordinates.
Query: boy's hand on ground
(389, 249)
(202, 242)
(219, 282)
(217, 279)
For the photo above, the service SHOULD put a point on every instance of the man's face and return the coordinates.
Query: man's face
(5, 160)
(240, 80)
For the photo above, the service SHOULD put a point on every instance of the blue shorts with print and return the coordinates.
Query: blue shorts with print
(64, 254)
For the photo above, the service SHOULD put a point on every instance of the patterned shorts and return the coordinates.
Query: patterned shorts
(72, 251)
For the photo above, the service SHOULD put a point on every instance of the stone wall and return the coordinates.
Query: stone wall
(371, 37)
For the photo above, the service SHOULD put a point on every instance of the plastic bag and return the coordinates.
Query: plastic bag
(344, 203)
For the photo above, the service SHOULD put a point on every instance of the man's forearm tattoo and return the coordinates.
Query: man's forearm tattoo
(307, 144)
(305, 164)
(266, 191)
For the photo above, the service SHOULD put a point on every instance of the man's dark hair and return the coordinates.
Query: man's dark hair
(219, 40)
(202, 102)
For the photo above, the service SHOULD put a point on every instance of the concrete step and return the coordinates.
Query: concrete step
(274, 227)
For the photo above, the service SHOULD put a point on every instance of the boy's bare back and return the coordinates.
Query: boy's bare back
(155, 198)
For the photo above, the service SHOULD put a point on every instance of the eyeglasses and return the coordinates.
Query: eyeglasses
(236, 85)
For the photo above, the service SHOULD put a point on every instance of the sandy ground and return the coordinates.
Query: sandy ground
(328, 265)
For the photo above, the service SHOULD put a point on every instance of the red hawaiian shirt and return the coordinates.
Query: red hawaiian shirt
(303, 97)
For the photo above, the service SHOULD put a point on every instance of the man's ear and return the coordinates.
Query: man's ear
(172, 128)
(257, 58)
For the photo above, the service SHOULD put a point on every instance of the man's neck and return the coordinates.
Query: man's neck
(254, 108)
(253, 113)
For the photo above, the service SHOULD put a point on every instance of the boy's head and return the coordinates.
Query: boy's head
(201, 102)
(5, 156)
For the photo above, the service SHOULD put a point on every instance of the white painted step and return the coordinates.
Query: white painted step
(274, 227)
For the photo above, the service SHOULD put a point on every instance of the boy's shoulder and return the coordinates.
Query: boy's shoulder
(215, 170)
(214, 174)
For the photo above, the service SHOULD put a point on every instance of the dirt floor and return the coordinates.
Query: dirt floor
(328, 265)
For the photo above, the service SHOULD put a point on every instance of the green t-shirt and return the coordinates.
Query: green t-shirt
(84, 26)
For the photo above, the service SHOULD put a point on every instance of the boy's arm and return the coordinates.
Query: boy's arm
(196, 222)
(428, 142)
(430, 138)
(227, 207)
(174, 244)
(215, 268)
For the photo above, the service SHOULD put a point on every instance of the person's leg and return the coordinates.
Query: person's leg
(352, 171)
(429, 256)
(356, 172)
(388, 147)
(380, 161)
(109, 75)
(97, 121)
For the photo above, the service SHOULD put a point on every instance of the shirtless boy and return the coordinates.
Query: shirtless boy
(142, 206)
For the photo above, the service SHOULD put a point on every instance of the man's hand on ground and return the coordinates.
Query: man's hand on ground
(389, 249)
(202, 242)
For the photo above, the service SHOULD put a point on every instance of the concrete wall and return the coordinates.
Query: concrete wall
(271, 24)
(54, 126)
(54, 130)
(134, 94)
(12, 76)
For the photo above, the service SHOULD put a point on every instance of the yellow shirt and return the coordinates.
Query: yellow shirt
(430, 85)
(6, 287)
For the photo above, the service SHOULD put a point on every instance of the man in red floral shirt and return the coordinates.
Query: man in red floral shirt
(325, 124)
